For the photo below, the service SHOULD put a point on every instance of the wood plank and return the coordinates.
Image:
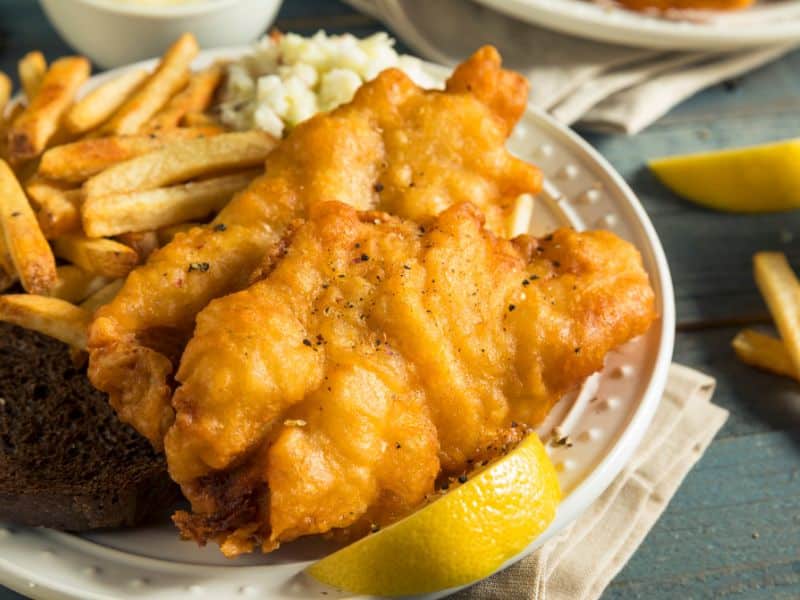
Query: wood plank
(742, 540)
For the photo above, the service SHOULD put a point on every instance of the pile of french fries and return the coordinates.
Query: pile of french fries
(781, 291)
(91, 185)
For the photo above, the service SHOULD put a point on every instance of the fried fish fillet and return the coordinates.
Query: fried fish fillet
(377, 356)
(395, 147)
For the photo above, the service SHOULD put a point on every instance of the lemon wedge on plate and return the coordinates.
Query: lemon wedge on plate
(762, 178)
(463, 536)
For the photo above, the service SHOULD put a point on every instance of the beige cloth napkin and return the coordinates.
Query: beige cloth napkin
(599, 86)
(582, 560)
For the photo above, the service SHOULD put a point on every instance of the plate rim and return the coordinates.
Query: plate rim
(601, 476)
(632, 29)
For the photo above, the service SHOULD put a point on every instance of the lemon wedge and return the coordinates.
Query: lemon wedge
(462, 537)
(762, 178)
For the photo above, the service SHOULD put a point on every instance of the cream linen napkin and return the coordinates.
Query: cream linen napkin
(582, 560)
(599, 86)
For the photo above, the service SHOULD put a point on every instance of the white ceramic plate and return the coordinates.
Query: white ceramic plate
(767, 23)
(606, 420)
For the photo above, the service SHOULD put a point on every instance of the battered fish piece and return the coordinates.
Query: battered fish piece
(395, 147)
(377, 356)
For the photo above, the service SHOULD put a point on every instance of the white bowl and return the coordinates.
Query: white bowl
(115, 32)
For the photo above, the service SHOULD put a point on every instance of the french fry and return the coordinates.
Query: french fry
(6, 280)
(102, 296)
(5, 93)
(195, 98)
(99, 104)
(169, 77)
(30, 132)
(194, 119)
(144, 211)
(31, 69)
(51, 316)
(5, 256)
(144, 242)
(166, 234)
(519, 221)
(75, 284)
(181, 161)
(781, 291)
(33, 260)
(102, 257)
(764, 352)
(58, 207)
(5, 124)
(78, 161)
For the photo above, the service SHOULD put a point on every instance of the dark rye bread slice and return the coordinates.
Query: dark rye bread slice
(66, 461)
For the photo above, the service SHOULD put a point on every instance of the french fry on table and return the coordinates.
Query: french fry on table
(102, 296)
(519, 221)
(31, 69)
(30, 131)
(194, 98)
(170, 76)
(33, 260)
(781, 291)
(144, 242)
(165, 234)
(764, 352)
(5, 256)
(181, 161)
(76, 162)
(58, 207)
(75, 284)
(144, 211)
(103, 257)
(51, 316)
(5, 93)
(98, 105)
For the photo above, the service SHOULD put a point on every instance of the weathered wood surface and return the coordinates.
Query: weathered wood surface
(733, 529)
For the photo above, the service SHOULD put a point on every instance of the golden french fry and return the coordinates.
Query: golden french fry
(99, 104)
(51, 316)
(144, 242)
(764, 352)
(181, 161)
(519, 221)
(6, 280)
(99, 256)
(781, 291)
(58, 206)
(33, 260)
(102, 296)
(75, 284)
(144, 211)
(194, 119)
(195, 98)
(5, 256)
(78, 161)
(5, 124)
(32, 68)
(5, 93)
(165, 234)
(30, 131)
(169, 77)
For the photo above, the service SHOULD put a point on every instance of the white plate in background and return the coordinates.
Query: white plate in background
(765, 24)
(606, 419)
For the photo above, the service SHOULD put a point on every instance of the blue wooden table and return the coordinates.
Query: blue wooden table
(733, 529)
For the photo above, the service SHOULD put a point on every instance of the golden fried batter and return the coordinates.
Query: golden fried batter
(395, 147)
(377, 355)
